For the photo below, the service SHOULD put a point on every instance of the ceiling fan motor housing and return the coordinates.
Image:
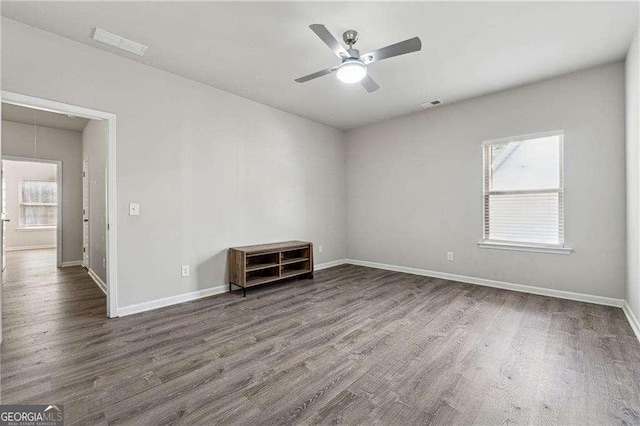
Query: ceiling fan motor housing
(350, 37)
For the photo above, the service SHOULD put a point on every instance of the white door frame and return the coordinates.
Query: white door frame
(59, 172)
(111, 228)
(86, 252)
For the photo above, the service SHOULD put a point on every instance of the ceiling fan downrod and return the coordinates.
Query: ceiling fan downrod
(350, 38)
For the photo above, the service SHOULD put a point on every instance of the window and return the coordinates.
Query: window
(38, 203)
(523, 192)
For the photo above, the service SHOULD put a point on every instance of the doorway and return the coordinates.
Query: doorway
(32, 206)
(109, 203)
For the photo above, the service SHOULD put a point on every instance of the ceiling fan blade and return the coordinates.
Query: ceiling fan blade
(369, 84)
(316, 75)
(324, 34)
(407, 46)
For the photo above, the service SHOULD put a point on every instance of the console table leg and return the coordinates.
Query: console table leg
(244, 289)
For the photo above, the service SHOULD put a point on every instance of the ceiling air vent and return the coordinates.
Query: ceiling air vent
(119, 42)
(430, 104)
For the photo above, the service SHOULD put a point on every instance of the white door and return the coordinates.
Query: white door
(85, 213)
(2, 206)
(5, 219)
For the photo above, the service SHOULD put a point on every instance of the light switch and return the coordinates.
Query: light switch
(134, 209)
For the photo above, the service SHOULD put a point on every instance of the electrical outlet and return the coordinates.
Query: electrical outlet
(185, 270)
(450, 256)
(134, 209)
(319, 249)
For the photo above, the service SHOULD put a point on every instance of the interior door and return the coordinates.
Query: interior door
(85, 213)
(4, 217)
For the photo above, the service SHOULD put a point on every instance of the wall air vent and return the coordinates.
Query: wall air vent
(430, 104)
(119, 42)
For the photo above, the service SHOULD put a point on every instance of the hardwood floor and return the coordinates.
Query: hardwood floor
(355, 345)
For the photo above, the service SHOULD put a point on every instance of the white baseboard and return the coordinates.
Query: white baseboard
(72, 263)
(98, 280)
(580, 297)
(321, 266)
(633, 320)
(38, 247)
(173, 300)
(186, 297)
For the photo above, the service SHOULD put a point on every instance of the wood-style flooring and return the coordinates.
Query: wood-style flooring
(355, 346)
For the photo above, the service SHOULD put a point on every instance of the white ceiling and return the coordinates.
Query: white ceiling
(256, 49)
(30, 116)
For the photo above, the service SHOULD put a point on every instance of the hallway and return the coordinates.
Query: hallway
(45, 310)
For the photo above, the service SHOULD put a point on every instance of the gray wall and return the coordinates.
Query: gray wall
(414, 184)
(14, 173)
(54, 144)
(94, 148)
(632, 77)
(210, 169)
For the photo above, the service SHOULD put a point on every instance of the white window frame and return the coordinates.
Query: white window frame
(486, 192)
(21, 203)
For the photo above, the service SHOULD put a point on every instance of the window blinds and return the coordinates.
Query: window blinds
(38, 203)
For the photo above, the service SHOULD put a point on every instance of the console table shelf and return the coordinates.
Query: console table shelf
(260, 264)
(296, 260)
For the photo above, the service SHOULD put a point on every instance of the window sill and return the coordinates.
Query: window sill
(525, 247)
(36, 228)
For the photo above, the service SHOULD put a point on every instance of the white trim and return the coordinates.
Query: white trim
(86, 235)
(525, 247)
(331, 264)
(97, 280)
(487, 192)
(172, 300)
(21, 203)
(633, 320)
(53, 106)
(580, 297)
(36, 228)
(520, 138)
(112, 214)
(186, 297)
(111, 196)
(37, 247)
(71, 263)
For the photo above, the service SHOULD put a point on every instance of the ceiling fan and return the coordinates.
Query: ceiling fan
(353, 68)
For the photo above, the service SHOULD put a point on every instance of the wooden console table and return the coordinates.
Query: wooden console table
(254, 265)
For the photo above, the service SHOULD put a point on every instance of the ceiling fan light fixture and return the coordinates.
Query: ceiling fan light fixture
(353, 66)
(352, 71)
